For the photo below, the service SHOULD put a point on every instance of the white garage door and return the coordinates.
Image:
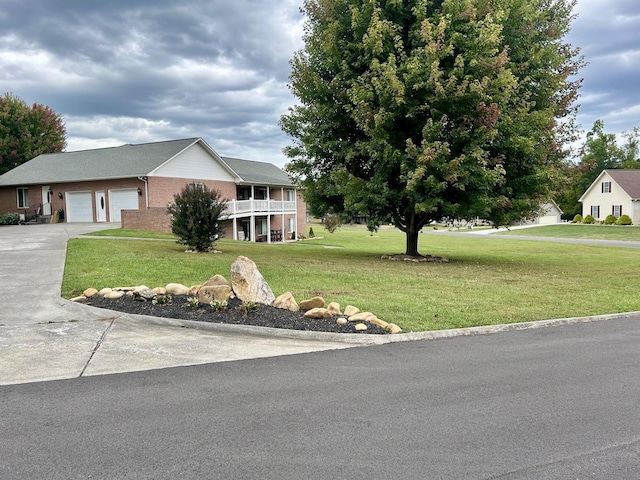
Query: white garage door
(79, 207)
(122, 200)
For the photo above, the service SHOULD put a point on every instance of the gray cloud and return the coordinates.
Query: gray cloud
(145, 70)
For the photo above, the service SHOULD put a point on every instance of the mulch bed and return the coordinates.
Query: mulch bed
(264, 316)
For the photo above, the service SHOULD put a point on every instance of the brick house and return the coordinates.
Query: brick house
(613, 192)
(134, 184)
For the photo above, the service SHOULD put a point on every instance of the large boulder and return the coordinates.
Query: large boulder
(248, 283)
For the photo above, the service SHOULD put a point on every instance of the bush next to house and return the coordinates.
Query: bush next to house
(589, 219)
(610, 220)
(9, 219)
(624, 220)
(577, 218)
(196, 213)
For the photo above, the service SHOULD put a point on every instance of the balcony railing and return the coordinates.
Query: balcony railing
(244, 207)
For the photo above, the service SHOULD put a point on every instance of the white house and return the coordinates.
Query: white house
(614, 192)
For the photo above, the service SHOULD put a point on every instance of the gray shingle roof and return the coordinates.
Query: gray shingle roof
(629, 181)
(258, 172)
(104, 163)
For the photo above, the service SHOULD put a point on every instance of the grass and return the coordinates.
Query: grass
(487, 281)
(119, 232)
(572, 230)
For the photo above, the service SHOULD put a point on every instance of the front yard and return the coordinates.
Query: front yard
(487, 281)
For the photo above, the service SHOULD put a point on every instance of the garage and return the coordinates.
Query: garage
(126, 199)
(79, 207)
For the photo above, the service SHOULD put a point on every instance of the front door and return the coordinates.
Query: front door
(101, 207)
(46, 200)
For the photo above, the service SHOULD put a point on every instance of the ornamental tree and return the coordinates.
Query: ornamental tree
(27, 131)
(424, 110)
(197, 217)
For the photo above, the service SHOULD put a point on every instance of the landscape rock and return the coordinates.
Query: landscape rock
(334, 308)
(104, 291)
(286, 301)
(114, 295)
(393, 328)
(362, 317)
(160, 290)
(248, 283)
(360, 327)
(207, 294)
(78, 299)
(315, 302)
(351, 310)
(144, 295)
(317, 313)
(380, 323)
(342, 321)
(140, 288)
(90, 292)
(177, 289)
(193, 290)
(216, 280)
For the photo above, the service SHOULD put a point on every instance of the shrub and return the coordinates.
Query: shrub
(162, 299)
(218, 305)
(577, 218)
(9, 219)
(624, 220)
(193, 302)
(311, 234)
(196, 215)
(247, 307)
(610, 220)
(589, 219)
(331, 222)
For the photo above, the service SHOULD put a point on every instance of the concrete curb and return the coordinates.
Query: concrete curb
(351, 338)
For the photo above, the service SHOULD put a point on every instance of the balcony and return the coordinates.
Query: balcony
(243, 208)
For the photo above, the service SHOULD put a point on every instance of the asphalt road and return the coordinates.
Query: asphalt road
(549, 403)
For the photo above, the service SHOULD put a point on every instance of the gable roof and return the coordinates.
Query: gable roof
(627, 179)
(251, 171)
(127, 161)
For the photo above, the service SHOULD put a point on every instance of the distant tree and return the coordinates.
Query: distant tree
(27, 131)
(197, 217)
(600, 151)
(420, 110)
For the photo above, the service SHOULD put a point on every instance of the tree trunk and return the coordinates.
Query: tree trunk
(412, 233)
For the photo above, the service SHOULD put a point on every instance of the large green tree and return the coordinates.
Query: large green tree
(421, 110)
(27, 131)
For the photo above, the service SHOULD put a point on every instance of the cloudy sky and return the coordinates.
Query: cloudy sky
(145, 70)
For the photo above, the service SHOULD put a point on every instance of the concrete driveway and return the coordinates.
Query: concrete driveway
(44, 337)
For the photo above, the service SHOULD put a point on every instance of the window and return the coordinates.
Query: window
(23, 197)
(291, 195)
(616, 210)
(606, 187)
(260, 193)
(198, 186)
(291, 227)
(261, 226)
(595, 211)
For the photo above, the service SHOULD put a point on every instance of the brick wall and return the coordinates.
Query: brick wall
(155, 219)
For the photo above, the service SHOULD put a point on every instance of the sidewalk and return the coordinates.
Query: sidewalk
(44, 337)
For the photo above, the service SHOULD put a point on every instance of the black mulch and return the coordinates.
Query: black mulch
(264, 316)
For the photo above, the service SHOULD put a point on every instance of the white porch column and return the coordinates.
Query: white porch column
(268, 228)
(234, 220)
(252, 228)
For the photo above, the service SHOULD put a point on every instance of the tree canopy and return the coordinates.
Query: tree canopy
(424, 110)
(27, 131)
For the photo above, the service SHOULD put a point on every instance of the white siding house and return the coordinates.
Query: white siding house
(614, 192)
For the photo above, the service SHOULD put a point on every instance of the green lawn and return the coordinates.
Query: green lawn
(487, 281)
(575, 230)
